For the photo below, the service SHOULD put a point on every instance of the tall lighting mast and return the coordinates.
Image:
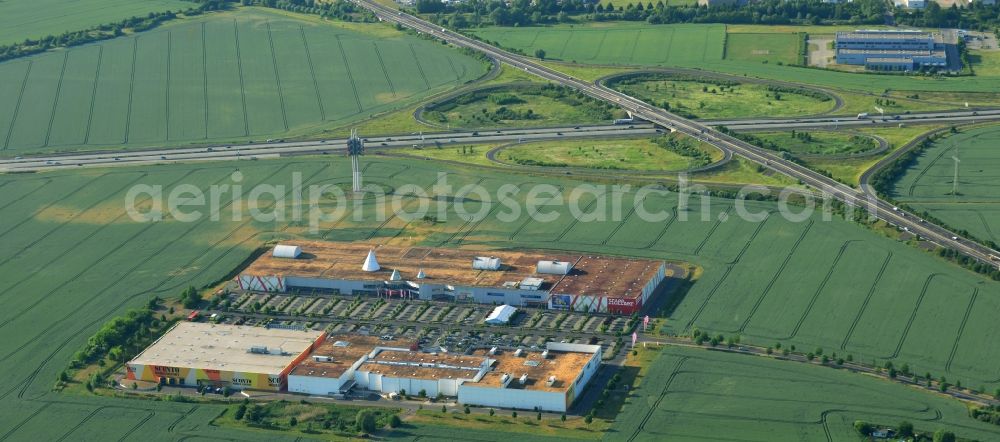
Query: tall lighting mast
(355, 148)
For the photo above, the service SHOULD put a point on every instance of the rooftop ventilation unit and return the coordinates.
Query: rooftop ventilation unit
(545, 354)
(551, 381)
(505, 379)
(554, 267)
(421, 274)
(518, 352)
(486, 263)
(283, 251)
(493, 351)
(531, 283)
(263, 350)
(319, 358)
(371, 264)
(523, 379)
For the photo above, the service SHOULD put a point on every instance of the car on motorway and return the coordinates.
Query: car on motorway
(163, 157)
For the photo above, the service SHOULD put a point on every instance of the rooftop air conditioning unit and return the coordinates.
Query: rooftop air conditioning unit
(486, 263)
(551, 381)
(523, 379)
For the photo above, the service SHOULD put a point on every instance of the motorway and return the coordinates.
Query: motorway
(833, 122)
(274, 149)
(702, 131)
(278, 148)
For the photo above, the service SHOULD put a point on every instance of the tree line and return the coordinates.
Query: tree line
(528, 12)
(102, 32)
(476, 13)
(339, 9)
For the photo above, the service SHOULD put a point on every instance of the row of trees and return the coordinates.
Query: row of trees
(339, 9)
(904, 431)
(101, 32)
(123, 332)
(527, 12)
(976, 16)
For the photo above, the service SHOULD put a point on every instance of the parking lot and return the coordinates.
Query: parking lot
(437, 326)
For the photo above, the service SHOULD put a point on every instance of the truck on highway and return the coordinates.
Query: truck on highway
(863, 115)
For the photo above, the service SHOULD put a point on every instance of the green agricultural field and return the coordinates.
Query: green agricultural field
(520, 106)
(715, 99)
(73, 259)
(615, 154)
(819, 142)
(249, 74)
(692, 394)
(33, 19)
(928, 183)
(615, 43)
(769, 47)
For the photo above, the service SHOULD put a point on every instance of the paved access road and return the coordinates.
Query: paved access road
(702, 131)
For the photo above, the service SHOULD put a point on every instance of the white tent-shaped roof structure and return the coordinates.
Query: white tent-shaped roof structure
(371, 264)
(395, 276)
(421, 274)
(500, 315)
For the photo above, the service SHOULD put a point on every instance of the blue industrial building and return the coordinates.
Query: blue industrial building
(892, 50)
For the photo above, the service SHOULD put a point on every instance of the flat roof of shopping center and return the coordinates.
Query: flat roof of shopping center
(337, 353)
(419, 365)
(564, 365)
(591, 275)
(227, 347)
(341, 352)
